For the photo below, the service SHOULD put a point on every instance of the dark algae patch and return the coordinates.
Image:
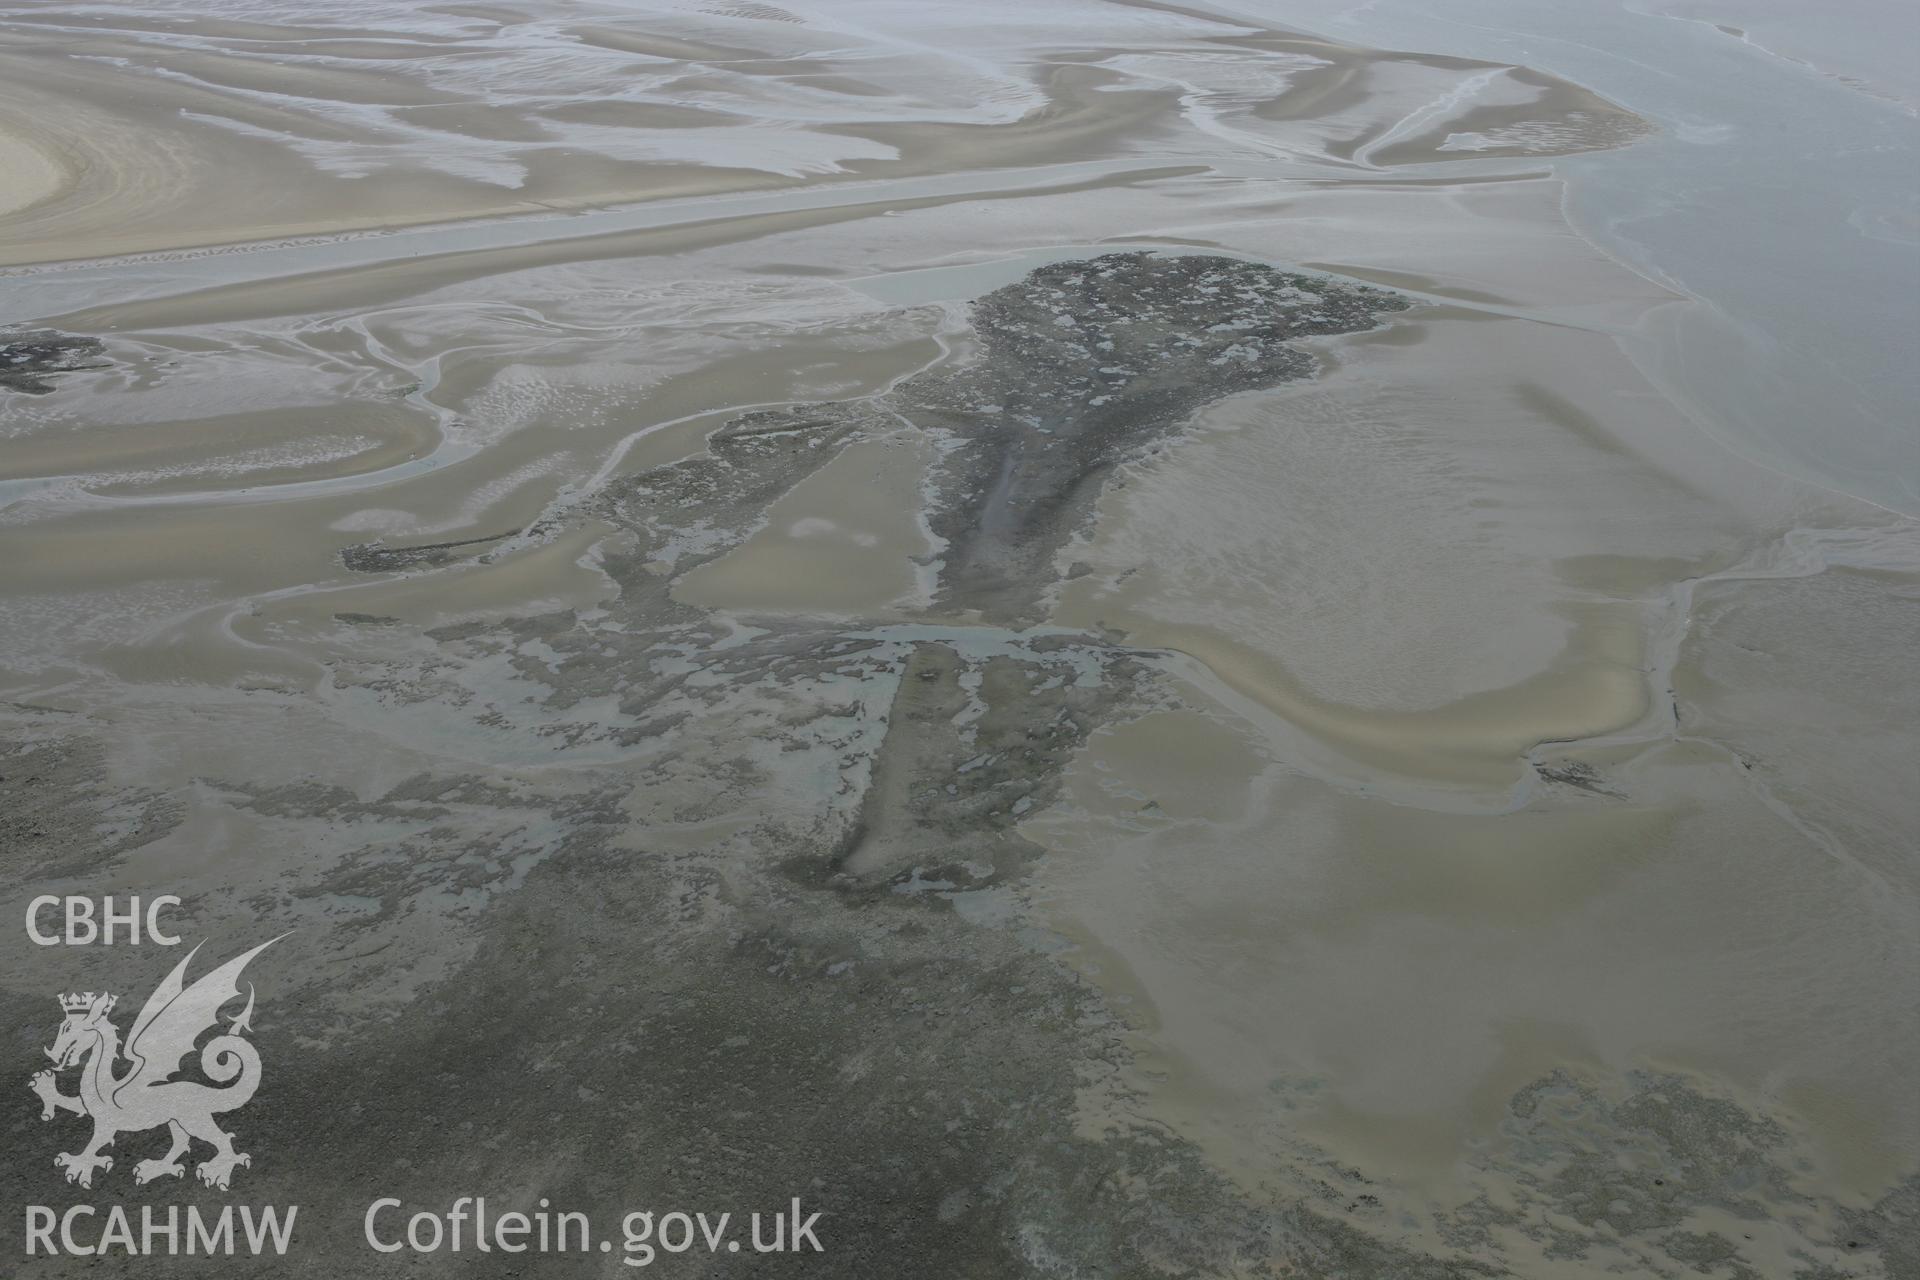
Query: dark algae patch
(30, 359)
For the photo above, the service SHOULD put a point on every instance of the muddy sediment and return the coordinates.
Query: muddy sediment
(755, 646)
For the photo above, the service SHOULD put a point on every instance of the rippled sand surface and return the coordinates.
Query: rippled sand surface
(1093, 635)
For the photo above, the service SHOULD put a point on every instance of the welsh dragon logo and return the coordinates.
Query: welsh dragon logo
(145, 1095)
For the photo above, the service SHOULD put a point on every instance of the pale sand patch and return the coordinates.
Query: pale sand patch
(1317, 980)
(227, 451)
(842, 541)
(1431, 559)
(28, 174)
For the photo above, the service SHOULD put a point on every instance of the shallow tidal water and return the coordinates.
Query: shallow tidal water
(1109, 638)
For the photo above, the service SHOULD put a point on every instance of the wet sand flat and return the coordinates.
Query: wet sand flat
(1105, 639)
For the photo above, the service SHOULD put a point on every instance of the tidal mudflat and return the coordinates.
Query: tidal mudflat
(1102, 639)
